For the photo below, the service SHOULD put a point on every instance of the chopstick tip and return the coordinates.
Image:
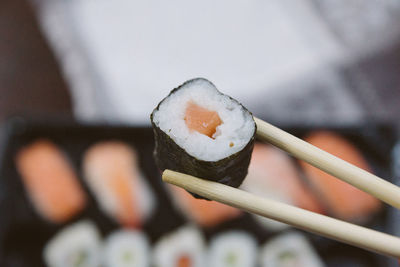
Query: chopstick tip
(166, 175)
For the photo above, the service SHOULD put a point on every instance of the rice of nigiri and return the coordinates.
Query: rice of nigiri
(50, 181)
(78, 244)
(182, 248)
(112, 173)
(126, 248)
(232, 249)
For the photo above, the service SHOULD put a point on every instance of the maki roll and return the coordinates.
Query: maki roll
(76, 245)
(289, 250)
(232, 249)
(126, 248)
(181, 248)
(202, 132)
(50, 181)
(112, 173)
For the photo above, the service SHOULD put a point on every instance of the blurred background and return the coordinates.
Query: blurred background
(304, 65)
(304, 61)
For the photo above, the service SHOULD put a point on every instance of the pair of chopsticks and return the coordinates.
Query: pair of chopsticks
(323, 225)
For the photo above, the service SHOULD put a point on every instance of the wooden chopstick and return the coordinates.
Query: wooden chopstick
(320, 159)
(332, 228)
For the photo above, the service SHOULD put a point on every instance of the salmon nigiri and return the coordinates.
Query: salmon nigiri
(204, 212)
(272, 174)
(345, 201)
(113, 175)
(50, 181)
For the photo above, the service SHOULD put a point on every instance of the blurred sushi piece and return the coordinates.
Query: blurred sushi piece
(112, 173)
(272, 174)
(345, 201)
(181, 248)
(232, 249)
(50, 181)
(203, 212)
(126, 248)
(78, 244)
(202, 132)
(291, 249)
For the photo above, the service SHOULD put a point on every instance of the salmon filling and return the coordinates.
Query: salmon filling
(184, 261)
(201, 119)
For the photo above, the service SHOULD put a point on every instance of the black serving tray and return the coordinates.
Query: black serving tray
(23, 233)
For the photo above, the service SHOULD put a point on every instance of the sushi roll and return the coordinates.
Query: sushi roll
(202, 132)
(272, 174)
(126, 248)
(112, 173)
(181, 248)
(202, 212)
(232, 249)
(76, 245)
(289, 250)
(344, 201)
(50, 181)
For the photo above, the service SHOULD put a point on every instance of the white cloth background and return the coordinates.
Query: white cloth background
(122, 57)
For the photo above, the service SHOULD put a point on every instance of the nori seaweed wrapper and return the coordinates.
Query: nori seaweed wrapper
(168, 155)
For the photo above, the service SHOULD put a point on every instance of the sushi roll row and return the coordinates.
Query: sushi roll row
(110, 170)
(80, 244)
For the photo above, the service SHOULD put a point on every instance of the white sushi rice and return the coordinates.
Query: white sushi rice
(146, 199)
(76, 245)
(184, 242)
(232, 249)
(126, 248)
(254, 185)
(237, 127)
(287, 250)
